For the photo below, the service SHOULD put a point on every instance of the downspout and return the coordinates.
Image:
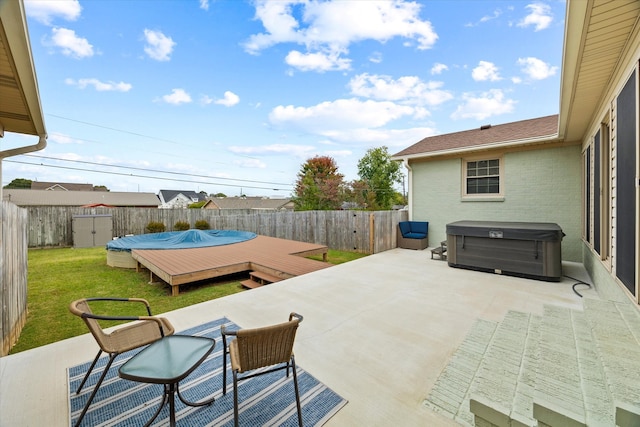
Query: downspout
(405, 162)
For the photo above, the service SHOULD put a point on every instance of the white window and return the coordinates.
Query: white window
(482, 177)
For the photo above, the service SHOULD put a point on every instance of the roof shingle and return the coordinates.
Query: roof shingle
(505, 133)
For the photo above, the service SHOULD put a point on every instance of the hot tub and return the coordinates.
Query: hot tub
(523, 249)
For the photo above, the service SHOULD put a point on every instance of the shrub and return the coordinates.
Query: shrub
(155, 227)
(181, 226)
(202, 224)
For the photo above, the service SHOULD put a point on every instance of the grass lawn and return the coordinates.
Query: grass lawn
(58, 276)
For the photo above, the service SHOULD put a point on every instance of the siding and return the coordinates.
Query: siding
(541, 185)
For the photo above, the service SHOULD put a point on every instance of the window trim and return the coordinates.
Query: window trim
(487, 197)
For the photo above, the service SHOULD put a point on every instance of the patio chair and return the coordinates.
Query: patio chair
(265, 347)
(147, 330)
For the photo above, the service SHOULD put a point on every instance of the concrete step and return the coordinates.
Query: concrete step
(450, 394)
(502, 393)
(564, 368)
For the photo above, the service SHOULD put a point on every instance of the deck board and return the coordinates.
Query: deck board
(279, 257)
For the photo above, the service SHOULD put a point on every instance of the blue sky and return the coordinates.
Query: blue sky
(234, 96)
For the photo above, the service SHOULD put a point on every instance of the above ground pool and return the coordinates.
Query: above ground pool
(119, 250)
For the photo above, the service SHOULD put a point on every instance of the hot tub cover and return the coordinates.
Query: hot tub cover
(540, 231)
(180, 239)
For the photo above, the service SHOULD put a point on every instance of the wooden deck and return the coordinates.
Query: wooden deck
(278, 257)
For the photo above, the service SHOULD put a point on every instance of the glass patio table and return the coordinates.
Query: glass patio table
(168, 361)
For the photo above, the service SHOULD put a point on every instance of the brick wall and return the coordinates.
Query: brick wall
(541, 185)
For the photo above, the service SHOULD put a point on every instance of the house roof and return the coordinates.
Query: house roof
(168, 195)
(249, 203)
(20, 109)
(79, 198)
(538, 130)
(60, 186)
(596, 41)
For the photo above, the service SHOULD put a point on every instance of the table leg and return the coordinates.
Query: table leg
(189, 403)
(172, 405)
(164, 400)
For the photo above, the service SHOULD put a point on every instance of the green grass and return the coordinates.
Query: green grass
(58, 276)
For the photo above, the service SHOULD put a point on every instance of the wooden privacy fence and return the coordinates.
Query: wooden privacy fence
(359, 231)
(13, 274)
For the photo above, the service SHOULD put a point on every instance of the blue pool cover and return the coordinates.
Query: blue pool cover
(180, 239)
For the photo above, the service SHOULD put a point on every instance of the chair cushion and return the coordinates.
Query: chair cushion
(420, 227)
(412, 235)
(414, 229)
(405, 227)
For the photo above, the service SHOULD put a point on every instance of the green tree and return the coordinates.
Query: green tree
(19, 183)
(100, 188)
(380, 173)
(319, 185)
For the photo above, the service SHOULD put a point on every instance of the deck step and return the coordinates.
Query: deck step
(263, 278)
(250, 284)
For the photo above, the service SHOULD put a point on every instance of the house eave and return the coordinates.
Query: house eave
(22, 110)
(547, 139)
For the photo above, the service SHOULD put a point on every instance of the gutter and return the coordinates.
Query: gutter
(15, 35)
(484, 147)
(42, 143)
(405, 162)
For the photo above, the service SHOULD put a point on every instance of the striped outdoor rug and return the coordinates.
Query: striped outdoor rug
(266, 400)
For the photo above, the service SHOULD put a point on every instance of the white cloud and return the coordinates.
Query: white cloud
(491, 103)
(159, 46)
(540, 16)
(388, 137)
(70, 43)
(375, 57)
(338, 153)
(318, 61)
(60, 138)
(438, 68)
(330, 27)
(45, 11)
(99, 85)
(409, 89)
(230, 99)
(339, 114)
(485, 71)
(204, 4)
(536, 69)
(274, 149)
(177, 97)
(250, 163)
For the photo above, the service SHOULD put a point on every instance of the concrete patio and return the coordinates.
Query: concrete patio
(378, 331)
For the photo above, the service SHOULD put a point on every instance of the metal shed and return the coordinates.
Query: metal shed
(92, 230)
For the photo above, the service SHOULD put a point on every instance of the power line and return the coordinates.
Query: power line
(147, 176)
(156, 170)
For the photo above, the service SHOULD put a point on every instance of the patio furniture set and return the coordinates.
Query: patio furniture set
(167, 359)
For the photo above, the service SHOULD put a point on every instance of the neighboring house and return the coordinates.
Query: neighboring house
(64, 186)
(80, 198)
(579, 169)
(253, 203)
(175, 199)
